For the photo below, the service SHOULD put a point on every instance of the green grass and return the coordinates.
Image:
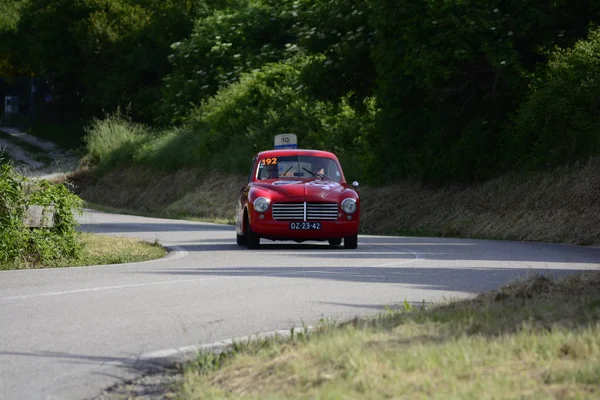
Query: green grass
(535, 339)
(102, 250)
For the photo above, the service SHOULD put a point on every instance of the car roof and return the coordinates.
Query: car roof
(295, 152)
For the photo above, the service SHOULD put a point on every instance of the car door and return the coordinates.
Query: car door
(243, 199)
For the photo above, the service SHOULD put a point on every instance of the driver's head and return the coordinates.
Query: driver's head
(271, 171)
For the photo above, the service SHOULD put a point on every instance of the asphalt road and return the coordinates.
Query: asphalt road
(69, 333)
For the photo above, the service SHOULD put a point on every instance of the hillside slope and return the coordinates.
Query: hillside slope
(561, 205)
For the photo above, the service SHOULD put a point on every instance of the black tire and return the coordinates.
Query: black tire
(252, 239)
(351, 242)
(240, 239)
(335, 242)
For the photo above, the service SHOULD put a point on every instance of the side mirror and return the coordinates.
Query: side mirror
(354, 185)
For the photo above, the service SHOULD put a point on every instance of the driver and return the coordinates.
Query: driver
(269, 172)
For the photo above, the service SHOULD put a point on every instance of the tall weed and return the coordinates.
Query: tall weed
(113, 140)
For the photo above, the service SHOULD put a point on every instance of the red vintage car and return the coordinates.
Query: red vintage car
(297, 195)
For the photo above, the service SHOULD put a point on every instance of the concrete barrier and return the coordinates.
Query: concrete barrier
(39, 217)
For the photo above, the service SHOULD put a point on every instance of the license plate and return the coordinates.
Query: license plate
(305, 226)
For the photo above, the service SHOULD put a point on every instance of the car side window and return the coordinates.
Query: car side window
(252, 165)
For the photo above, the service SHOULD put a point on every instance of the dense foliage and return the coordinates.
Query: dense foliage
(35, 246)
(101, 54)
(432, 90)
(560, 119)
(10, 11)
(451, 72)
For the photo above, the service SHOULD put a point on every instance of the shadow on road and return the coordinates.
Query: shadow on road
(132, 362)
(468, 280)
(401, 248)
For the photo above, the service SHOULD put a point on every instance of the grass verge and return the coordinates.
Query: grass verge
(538, 339)
(102, 250)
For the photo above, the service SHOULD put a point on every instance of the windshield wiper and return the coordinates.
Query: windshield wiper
(288, 170)
(316, 175)
(309, 171)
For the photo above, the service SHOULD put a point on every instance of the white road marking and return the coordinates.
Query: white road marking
(98, 289)
(179, 253)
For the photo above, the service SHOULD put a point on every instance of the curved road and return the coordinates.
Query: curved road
(69, 333)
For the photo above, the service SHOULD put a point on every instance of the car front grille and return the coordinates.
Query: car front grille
(314, 211)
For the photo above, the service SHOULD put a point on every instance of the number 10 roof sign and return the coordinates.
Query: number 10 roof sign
(286, 141)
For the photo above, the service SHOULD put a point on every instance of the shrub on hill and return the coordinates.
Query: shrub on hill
(19, 244)
(243, 118)
(560, 120)
(223, 46)
(450, 72)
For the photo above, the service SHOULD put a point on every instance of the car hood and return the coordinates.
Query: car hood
(316, 190)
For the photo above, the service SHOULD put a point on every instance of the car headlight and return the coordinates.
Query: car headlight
(261, 204)
(349, 206)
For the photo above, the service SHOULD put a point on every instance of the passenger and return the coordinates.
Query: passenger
(319, 166)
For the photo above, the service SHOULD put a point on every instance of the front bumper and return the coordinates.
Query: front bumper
(280, 230)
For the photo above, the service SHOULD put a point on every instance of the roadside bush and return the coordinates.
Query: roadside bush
(242, 119)
(560, 120)
(12, 208)
(32, 247)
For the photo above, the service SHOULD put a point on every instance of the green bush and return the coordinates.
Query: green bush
(342, 33)
(242, 119)
(451, 72)
(31, 247)
(234, 41)
(560, 120)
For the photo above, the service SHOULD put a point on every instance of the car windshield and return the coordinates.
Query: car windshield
(298, 167)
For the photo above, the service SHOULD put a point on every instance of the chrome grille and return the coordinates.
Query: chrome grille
(288, 211)
(321, 211)
(314, 211)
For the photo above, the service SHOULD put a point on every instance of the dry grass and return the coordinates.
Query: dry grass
(509, 344)
(186, 193)
(557, 206)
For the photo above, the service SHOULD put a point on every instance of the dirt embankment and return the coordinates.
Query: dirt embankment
(557, 206)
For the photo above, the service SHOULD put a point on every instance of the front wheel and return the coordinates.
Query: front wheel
(240, 239)
(351, 242)
(335, 242)
(252, 239)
